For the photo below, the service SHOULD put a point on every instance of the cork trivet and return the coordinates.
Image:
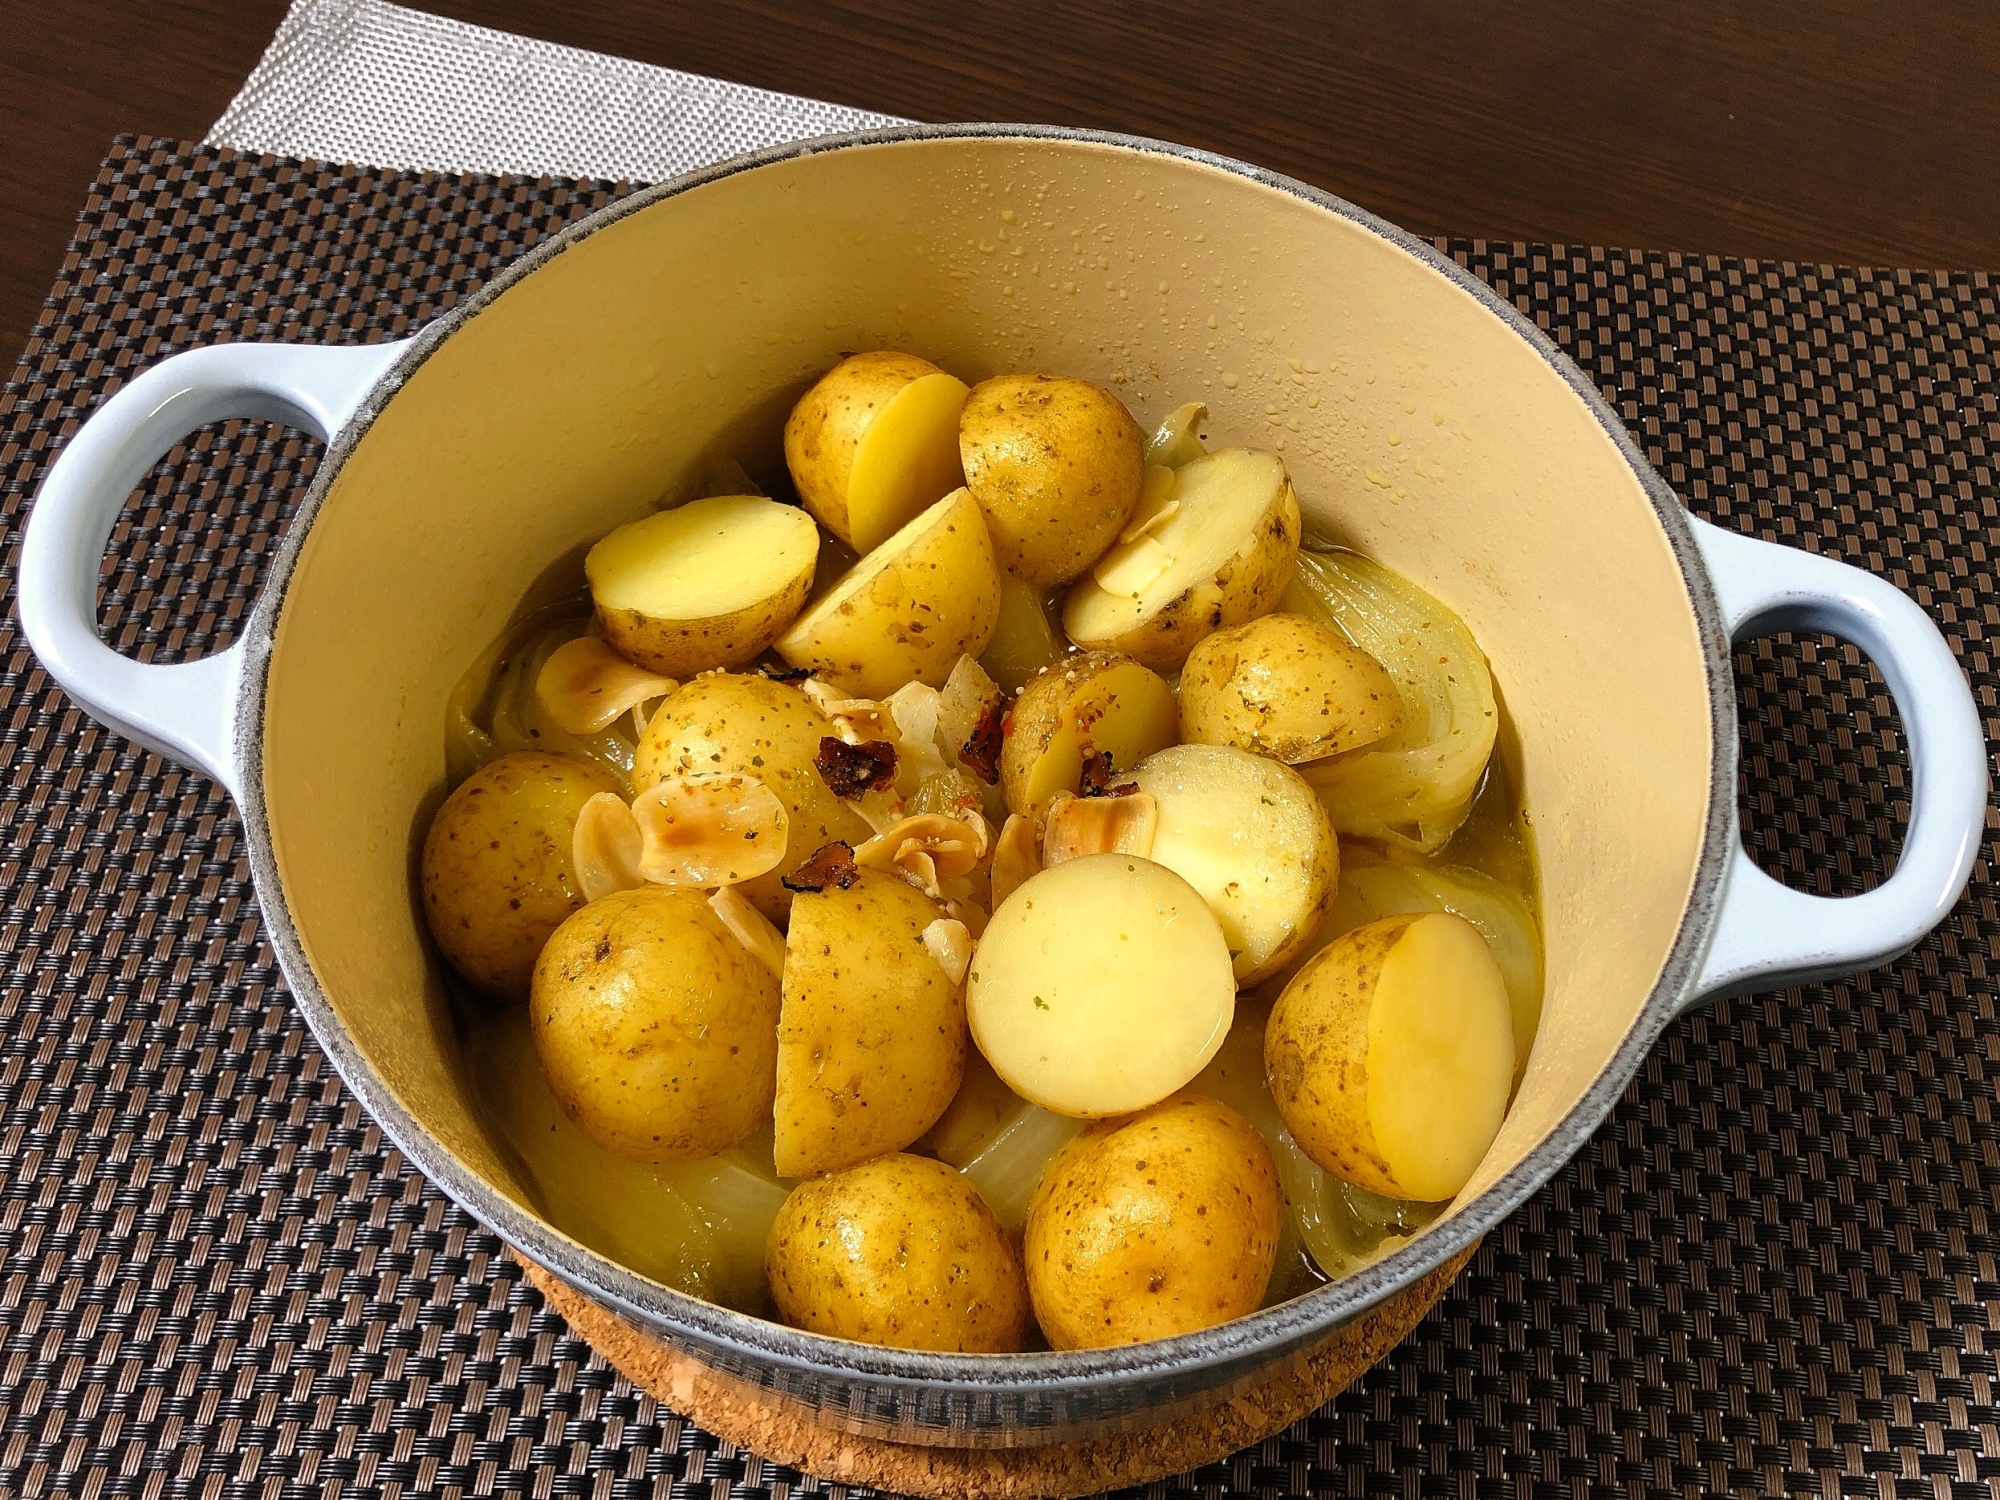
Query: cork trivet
(767, 1423)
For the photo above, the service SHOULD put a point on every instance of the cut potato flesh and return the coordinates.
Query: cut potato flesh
(1119, 708)
(1248, 833)
(907, 460)
(1220, 501)
(1101, 986)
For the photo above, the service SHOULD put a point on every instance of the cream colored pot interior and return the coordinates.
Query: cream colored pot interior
(1418, 427)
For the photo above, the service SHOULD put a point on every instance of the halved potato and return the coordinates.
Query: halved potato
(874, 442)
(1249, 834)
(1098, 703)
(708, 584)
(1391, 1055)
(871, 1039)
(1055, 463)
(1286, 686)
(1100, 986)
(1223, 557)
(908, 610)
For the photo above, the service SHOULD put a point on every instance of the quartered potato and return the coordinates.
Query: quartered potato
(1391, 1055)
(726, 724)
(498, 873)
(1222, 557)
(1100, 986)
(874, 443)
(1249, 834)
(1157, 1225)
(898, 1251)
(871, 1037)
(1055, 464)
(656, 1026)
(1288, 687)
(1099, 703)
(908, 610)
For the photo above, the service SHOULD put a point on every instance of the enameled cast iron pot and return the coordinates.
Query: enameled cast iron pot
(1424, 420)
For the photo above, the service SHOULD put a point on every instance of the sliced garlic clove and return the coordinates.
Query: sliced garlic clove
(927, 848)
(751, 928)
(586, 686)
(1132, 567)
(1156, 504)
(604, 850)
(709, 830)
(1015, 857)
(950, 944)
(1100, 825)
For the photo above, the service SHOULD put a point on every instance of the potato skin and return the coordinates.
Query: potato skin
(899, 1251)
(1248, 585)
(1037, 716)
(681, 648)
(871, 1036)
(727, 722)
(1162, 1223)
(1287, 687)
(1056, 465)
(829, 422)
(1316, 1051)
(497, 878)
(656, 1027)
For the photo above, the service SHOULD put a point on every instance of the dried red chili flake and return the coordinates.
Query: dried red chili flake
(981, 750)
(849, 770)
(832, 866)
(1096, 779)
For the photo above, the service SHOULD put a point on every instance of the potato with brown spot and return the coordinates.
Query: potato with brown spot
(1287, 687)
(1162, 1223)
(1055, 463)
(871, 1036)
(899, 1251)
(498, 875)
(1082, 706)
(656, 1026)
(749, 725)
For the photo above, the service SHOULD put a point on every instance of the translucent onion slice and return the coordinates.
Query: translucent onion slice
(950, 943)
(709, 830)
(586, 686)
(1101, 825)
(1178, 439)
(606, 847)
(1007, 1167)
(751, 928)
(1413, 789)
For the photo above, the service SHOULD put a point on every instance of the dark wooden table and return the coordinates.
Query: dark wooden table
(1853, 132)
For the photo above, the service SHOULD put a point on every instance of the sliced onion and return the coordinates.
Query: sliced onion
(751, 928)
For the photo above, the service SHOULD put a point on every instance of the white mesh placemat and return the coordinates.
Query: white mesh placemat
(370, 83)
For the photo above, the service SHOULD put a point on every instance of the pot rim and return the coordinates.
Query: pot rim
(1258, 1336)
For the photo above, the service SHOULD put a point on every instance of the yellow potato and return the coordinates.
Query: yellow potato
(656, 1026)
(1079, 707)
(898, 1251)
(908, 610)
(1221, 558)
(1024, 640)
(874, 443)
(497, 872)
(1248, 833)
(871, 1037)
(1391, 1055)
(1287, 687)
(1100, 986)
(709, 584)
(1055, 463)
(726, 723)
(1149, 1227)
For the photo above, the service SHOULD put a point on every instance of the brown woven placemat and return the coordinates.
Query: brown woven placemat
(1772, 1271)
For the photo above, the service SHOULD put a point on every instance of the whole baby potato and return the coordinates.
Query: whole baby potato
(1287, 687)
(748, 725)
(1056, 465)
(1161, 1223)
(497, 876)
(656, 1026)
(899, 1251)
(871, 1036)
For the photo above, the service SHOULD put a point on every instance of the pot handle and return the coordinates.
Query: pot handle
(186, 711)
(1767, 935)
